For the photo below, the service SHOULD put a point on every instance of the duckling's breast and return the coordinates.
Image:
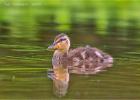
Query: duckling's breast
(59, 59)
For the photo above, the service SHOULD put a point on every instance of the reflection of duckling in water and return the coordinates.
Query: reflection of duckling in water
(82, 60)
(60, 77)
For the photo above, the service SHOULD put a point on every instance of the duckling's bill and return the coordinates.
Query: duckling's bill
(51, 47)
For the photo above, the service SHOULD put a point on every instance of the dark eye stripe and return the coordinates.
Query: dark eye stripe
(60, 40)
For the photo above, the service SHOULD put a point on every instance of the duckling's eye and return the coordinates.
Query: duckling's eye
(60, 40)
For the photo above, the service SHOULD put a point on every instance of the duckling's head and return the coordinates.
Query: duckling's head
(61, 43)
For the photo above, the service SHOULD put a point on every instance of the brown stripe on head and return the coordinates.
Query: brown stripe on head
(59, 36)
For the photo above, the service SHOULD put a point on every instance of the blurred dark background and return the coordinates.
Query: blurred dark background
(34, 19)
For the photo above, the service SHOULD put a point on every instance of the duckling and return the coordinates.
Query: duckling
(81, 60)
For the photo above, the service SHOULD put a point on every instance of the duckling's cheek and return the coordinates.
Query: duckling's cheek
(61, 47)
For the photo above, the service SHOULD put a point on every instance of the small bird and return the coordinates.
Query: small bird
(81, 60)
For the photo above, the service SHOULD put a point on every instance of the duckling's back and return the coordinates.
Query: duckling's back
(88, 60)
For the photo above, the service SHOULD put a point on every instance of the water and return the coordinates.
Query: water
(24, 65)
(26, 32)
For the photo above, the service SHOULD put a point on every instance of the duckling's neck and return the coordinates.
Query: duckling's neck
(61, 52)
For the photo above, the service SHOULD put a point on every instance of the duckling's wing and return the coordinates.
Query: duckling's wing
(88, 60)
